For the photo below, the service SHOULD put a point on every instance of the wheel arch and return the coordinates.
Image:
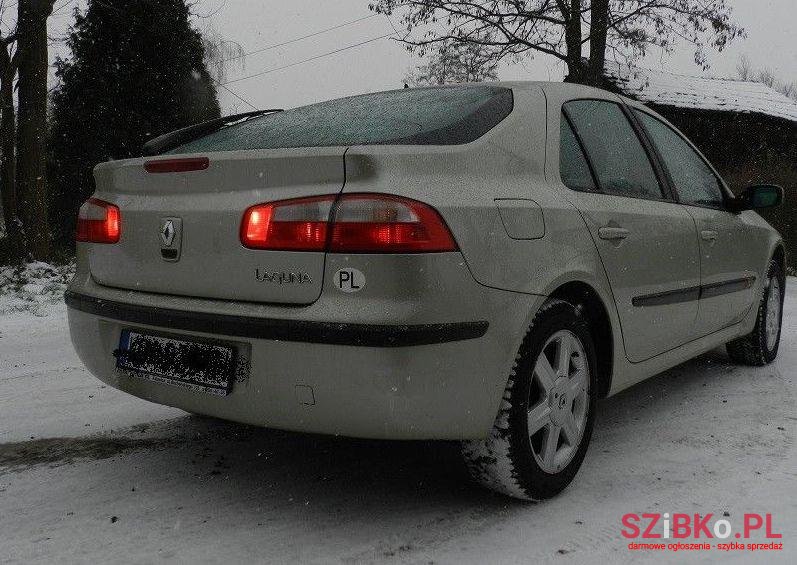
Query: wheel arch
(589, 301)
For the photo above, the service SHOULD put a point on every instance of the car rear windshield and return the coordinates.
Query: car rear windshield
(423, 116)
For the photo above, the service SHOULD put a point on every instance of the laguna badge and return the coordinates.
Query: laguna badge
(282, 277)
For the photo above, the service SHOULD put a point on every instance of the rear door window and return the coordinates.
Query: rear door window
(694, 180)
(621, 164)
(424, 116)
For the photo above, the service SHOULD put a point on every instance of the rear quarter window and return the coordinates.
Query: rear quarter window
(424, 116)
(573, 166)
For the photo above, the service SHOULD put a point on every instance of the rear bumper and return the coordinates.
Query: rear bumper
(429, 364)
(331, 333)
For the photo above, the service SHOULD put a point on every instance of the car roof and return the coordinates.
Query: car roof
(562, 89)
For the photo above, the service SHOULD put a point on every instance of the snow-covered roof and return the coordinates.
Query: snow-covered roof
(681, 91)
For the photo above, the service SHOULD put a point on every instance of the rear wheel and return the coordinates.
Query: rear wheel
(542, 431)
(760, 347)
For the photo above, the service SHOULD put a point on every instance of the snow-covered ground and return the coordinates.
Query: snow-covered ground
(33, 287)
(88, 474)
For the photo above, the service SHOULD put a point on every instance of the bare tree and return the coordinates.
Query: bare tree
(748, 72)
(8, 71)
(566, 29)
(745, 70)
(455, 63)
(31, 179)
(220, 54)
(767, 77)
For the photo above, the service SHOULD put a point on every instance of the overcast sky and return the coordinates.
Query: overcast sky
(382, 64)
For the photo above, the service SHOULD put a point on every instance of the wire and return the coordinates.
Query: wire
(275, 69)
(391, 24)
(256, 51)
(62, 6)
(238, 96)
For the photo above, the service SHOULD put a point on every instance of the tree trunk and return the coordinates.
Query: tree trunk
(575, 63)
(599, 17)
(15, 244)
(32, 125)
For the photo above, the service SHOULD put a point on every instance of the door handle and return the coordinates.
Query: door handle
(709, 235)
(612, 233)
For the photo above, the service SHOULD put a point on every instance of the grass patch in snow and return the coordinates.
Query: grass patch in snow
(33, 287)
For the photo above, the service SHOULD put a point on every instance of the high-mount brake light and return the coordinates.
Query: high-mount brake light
(362, 223)
(183, 165)
(98, 222)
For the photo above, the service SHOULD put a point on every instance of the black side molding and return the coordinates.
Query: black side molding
(725, 287)
(364, 335)
(694, 292)
(669, 297)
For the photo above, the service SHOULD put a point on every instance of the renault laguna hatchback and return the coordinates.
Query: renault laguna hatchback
(478, 263)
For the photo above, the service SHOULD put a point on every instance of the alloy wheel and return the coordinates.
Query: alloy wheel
(558, 401)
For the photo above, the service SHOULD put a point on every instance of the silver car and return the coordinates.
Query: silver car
(478, 263)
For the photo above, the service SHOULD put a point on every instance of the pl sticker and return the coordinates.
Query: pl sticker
(349, 280)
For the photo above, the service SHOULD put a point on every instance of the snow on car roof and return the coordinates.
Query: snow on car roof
(682, 91)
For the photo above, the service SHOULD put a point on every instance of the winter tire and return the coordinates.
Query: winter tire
(545, 422)
(760, 347)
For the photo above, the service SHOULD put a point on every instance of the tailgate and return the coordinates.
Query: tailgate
(199, 215)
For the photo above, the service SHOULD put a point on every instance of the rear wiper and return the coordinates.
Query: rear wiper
(174, 139)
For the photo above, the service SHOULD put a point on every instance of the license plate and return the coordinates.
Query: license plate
(199, 366)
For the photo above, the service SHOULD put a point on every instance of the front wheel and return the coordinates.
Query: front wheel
(760, 347)
(543, 428)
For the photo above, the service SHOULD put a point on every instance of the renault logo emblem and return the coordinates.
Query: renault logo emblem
(171, 235)
(167, 233)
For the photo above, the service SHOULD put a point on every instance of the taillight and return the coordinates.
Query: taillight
(289, 225)
(98, 222)
(376, 223)
(362, 223)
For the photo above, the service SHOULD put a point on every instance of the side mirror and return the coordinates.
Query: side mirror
(758, 196)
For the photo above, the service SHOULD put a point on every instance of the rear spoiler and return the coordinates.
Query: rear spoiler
(174, 139)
